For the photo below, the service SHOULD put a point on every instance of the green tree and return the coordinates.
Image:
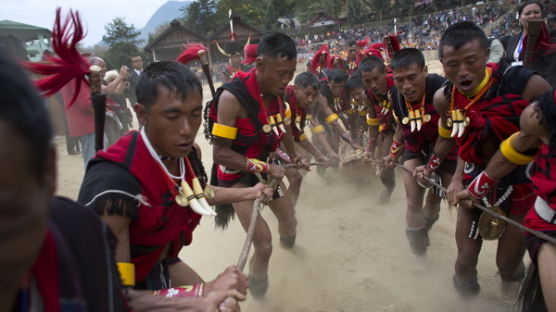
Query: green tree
(355, 12)
(308, 9)
(252, 12)
(200, 16)
(119, 31)
(122, 42)
(276, 9)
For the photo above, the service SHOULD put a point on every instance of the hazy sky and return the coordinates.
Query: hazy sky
(95, 14)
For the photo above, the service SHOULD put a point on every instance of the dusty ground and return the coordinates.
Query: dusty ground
(351, 254)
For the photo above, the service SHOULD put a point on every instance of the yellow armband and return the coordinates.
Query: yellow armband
(444, 132)
(224, 131)
(512, 154)
(332, 117)
(318, 129)
(373, 122)
(127, 273)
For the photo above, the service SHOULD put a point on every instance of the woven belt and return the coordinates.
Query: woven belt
(544, 211)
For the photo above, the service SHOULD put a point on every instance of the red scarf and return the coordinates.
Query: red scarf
(498, 116)
(45, 274)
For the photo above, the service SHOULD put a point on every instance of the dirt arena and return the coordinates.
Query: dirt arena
(351, 253)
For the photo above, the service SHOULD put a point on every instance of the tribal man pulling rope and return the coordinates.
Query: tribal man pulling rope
(481, 105)
(247, 124)
(417, 127)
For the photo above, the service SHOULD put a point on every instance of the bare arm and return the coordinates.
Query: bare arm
(288, 141)
(229, 109)
(306, 144)
(373, 129)
(229, 195)
(536, 86)
(326, 111)
(527, 139)
(111, 87)
(120, 227)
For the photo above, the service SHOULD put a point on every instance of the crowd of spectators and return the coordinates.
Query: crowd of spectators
(421, 31)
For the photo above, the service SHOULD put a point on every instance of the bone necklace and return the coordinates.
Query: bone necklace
(275, 123)
(457, 118)
(416, 117)
(385, 104)
(185, 195)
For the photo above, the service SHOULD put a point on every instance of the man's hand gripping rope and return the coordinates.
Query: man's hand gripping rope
(430, 181)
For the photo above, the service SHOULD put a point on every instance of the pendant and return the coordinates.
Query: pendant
(449, 122)
(405, 120)
(309, 117)
(267, 128)
(427, 118)
(209, 192)
(181, 200)
(287, 121)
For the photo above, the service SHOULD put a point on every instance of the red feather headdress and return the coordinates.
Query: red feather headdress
(250, 53)
(318, 60)
(362, 43)
(191, 53)
(69, 65)
(392, 42)
(335, 62)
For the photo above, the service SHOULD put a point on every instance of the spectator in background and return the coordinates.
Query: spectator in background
(137, 65)
(513, 45)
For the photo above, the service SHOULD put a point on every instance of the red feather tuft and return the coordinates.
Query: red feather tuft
(335, 62)
(190, 53)
(250, 53)
(392, 44)
(319, 61)
(377, 46)
(69, 65)
(368, 52)
(362, 43)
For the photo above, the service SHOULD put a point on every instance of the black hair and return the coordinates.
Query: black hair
(174, 76)
(526, 3)
(351, 43)
(547, 106)
(306, 79)
(354, 82)
(369, 64)
(24, 109)
(459, 34)
(277, 44)
(337, 75)
(407, 56)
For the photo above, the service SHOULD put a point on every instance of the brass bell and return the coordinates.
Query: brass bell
(490, 227)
